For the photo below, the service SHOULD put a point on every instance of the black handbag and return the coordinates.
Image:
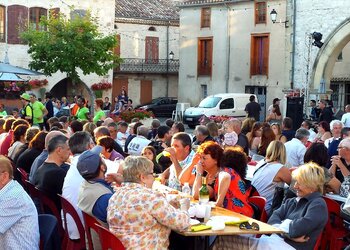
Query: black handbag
(277, 200)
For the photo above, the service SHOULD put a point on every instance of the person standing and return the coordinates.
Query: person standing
(345, 119)
(275, 101)
(39, 111)
(50, 110)
(3, 112)
(27, 110)
(326, 113)
(253, 108)
(83, 113)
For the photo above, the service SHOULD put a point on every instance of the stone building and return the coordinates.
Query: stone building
(15, 15)
(148, 34)
(232, 46)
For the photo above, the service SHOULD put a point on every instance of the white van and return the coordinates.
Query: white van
(227, 104)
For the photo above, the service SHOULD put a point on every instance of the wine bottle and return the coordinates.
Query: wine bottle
(204, 192)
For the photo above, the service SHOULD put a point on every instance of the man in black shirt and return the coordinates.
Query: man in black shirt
(326, 113)
(50, 176)
(253, 108)
(341, 163)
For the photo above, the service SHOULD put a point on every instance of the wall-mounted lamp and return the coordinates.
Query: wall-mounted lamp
(317, 36)
(171, 55)
(273, 15)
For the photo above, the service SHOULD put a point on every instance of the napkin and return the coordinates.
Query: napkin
(200, 228)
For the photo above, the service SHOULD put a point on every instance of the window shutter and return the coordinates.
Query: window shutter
(17, 17)
(265, 54)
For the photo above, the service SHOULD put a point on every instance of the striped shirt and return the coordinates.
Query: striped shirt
(19, 226)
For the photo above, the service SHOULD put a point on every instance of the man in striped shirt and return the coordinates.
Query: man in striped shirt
(19, 226)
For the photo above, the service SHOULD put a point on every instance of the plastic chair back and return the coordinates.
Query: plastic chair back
(90, 224)
(109, 240)
(259, 202)
(68, 208)
(24, 177)
(48, 232)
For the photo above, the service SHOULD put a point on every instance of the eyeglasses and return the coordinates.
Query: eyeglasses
(340, 147)
(247, 226)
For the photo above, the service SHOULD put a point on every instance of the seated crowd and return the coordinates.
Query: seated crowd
(106, 169)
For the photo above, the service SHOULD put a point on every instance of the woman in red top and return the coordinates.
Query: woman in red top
(230, 188)
(225, 173)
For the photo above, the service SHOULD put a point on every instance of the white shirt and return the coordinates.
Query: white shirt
(295, 152)
(329, 141)
(345, 119)
(137, 144)
(312, 135)
(70, 189)
(121, 138)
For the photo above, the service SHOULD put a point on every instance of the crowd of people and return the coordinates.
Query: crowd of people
(73, 157)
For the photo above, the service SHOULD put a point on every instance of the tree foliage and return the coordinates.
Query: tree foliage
(68, 44)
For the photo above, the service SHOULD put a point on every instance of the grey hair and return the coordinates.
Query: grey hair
(345, 142)
(302, 133)
(201, 129)
(142, 130)
(134, 166)
(335, 122)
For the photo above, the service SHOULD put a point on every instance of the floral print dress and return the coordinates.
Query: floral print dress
(142, 218)
(236, 198)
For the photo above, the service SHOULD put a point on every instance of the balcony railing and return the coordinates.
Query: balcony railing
(152, 66)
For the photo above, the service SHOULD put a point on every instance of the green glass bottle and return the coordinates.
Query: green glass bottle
(204, 192)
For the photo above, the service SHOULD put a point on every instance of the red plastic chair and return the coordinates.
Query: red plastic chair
(318, 242)
(68, 208)
(260, 202)
(24, 176)
(109, 240)
(334, 230)
(90, 224)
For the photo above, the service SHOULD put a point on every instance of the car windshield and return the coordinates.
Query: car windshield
(156, 100)
(209, 102)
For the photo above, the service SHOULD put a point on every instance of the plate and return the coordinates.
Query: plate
(194, 222)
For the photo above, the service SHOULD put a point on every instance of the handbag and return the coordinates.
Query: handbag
(277, 200)
(345, 186)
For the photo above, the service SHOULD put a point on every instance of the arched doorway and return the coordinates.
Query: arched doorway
(328, 54)
(67, 88)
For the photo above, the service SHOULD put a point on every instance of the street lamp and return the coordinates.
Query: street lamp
(273, 15)
(171, 55)
(317, 36)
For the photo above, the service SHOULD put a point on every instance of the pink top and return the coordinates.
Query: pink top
(5, 144)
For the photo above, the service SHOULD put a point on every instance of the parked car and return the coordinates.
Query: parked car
(161, 106)
(227, 104)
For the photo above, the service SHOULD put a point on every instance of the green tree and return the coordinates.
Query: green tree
(68, 44)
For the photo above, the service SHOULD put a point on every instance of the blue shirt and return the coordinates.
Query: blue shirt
(100, 208)
(37, 163)
(19, 226)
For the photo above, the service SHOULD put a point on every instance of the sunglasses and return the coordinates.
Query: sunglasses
(247, 226)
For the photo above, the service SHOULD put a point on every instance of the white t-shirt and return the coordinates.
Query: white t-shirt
(295, 152)
(70, 190)
(137, 144)
(121, 138)
(345, 119)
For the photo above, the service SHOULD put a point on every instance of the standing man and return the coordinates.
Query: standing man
(253, 108)
(27, 110)
(275, 101)
(326, 113)
(345, 119)
(39, 111)
(49, 108)
(19, 226)
(315, 112)
(83, 113)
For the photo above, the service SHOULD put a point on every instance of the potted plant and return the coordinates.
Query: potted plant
(99, 87)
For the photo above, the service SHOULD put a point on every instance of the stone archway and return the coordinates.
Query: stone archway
(327, 55)
(67, 88)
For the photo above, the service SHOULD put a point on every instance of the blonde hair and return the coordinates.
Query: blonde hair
(6, 166)
(276, 151)
(134, 166)
(310, 175)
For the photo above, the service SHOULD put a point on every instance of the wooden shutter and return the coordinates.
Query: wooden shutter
(145, 91)
(17, 17)
(205, 56)
(260, 12)
(2, 23)
(152, 49)
(259, 55)
(205, 17)
(265, 54)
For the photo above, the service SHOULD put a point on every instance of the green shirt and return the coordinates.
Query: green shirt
(3, 113)
(98, 116)
(82, 114)
(38, 109)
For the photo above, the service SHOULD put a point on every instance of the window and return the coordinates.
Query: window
(260, 12)
(205, 17)
(204, 91)
(259, 55)
(205, 54)
(35, 15)
(151, 49)
(2, 23)
(152, 28)
(227, 104)
(17, 21)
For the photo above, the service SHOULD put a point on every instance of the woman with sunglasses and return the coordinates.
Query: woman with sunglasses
(139, 216)
(301, 218)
